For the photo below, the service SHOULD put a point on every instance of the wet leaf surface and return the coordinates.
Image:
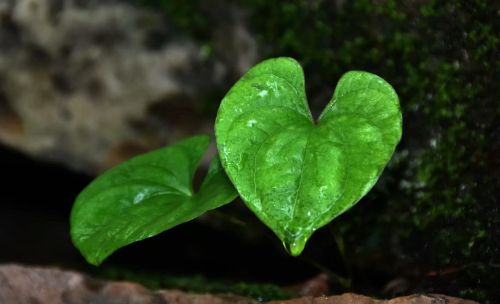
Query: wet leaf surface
(145, 196)
(294, 173)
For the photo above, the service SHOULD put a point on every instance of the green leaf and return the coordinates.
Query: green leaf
(294, 174)
(145, 196)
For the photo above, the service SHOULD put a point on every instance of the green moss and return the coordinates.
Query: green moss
(186, 16)
(197, 284)
(438, 201)
(440, 204)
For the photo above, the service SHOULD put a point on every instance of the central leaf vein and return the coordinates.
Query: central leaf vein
(294, 206)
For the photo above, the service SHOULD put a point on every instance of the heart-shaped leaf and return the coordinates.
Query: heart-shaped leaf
(294, 174)
(145, 196)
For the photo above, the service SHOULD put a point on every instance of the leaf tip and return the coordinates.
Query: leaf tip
(294, 245)
(94, 262)
(91, 255)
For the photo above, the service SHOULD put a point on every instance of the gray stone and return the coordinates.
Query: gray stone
(82, 83)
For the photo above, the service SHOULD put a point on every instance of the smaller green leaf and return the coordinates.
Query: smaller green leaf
(145, 196)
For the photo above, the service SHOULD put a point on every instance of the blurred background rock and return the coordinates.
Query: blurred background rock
(88, 84)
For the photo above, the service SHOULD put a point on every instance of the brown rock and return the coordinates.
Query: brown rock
(350, 298)
(428, 299)
(35, 285)
(176, 296)
(315, 287)
(346, 298)
(29, 285)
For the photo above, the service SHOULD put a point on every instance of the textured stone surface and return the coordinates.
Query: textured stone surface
(314, 287)
(21, 284)
(90, 83)
(350, 298)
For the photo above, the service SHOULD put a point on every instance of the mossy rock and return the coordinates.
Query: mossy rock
(435, 210)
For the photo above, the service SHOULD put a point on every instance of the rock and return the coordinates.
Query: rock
(176, 296)
(314, 287)
(240, 52)
(27, 285)
(91, 83)
(350, 298)
(114, 292)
